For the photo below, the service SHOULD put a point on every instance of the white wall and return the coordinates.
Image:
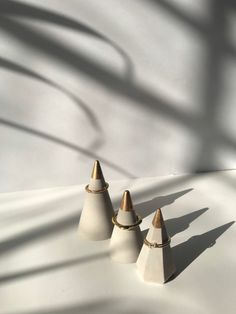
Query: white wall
(145, 86)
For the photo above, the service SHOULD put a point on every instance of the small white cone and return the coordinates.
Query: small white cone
(96, 217)
(155, 262)
(126, 240)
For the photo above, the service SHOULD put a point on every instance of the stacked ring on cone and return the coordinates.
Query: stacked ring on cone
(96, 217)
(152, 255)
(126, 240)
(155, 262)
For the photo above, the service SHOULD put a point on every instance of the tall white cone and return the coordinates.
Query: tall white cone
(96, 217)
(155, 262)
(126, 240)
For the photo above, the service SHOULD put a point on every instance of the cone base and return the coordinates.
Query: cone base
(156, 264)
(125, 245)
(96, 217)
(92, 237)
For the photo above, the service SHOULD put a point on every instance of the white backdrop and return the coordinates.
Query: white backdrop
(147, 87)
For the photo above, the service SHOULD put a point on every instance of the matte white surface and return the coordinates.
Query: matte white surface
(125, 245)
(96, 217)
(155, 264)
(44, 269)
(82, 80)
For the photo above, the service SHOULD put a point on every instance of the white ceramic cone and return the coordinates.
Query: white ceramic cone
(96, 217)
(126, 243)
(156, 264)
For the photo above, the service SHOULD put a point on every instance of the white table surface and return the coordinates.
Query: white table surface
(46, 269)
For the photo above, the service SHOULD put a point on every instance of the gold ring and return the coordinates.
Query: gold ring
(156, 245)
(126, 227)
(96, 191)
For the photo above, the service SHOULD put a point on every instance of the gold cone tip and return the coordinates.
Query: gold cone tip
(97, 171)
(126, 202)
(158, 221)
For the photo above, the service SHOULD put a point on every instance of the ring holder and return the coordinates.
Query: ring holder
(96, 191)
(126, 227)
(157, 245)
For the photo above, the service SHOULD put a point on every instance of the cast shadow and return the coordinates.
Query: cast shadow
(43, 231)
(25, 10)
(92, 118)
(144, 233)
(185, 253)
(102, 305)
(179, 224)
(17, 68)
(148, 207)
(69, 145)
(46, 44)
(45, 269)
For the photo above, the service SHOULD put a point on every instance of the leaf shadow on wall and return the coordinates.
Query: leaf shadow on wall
(20, 9)
(47, 45)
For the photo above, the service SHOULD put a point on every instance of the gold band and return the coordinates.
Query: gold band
(156, 245)
(126, 227)
(96, 191)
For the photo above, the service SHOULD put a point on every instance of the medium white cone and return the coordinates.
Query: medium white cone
(126, 240)
(155, 262)
(96, 217)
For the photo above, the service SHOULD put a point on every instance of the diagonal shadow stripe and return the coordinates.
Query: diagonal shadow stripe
(103, 76)
(69, 145)
(12, 66)
(26, 10)
(188, 251)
